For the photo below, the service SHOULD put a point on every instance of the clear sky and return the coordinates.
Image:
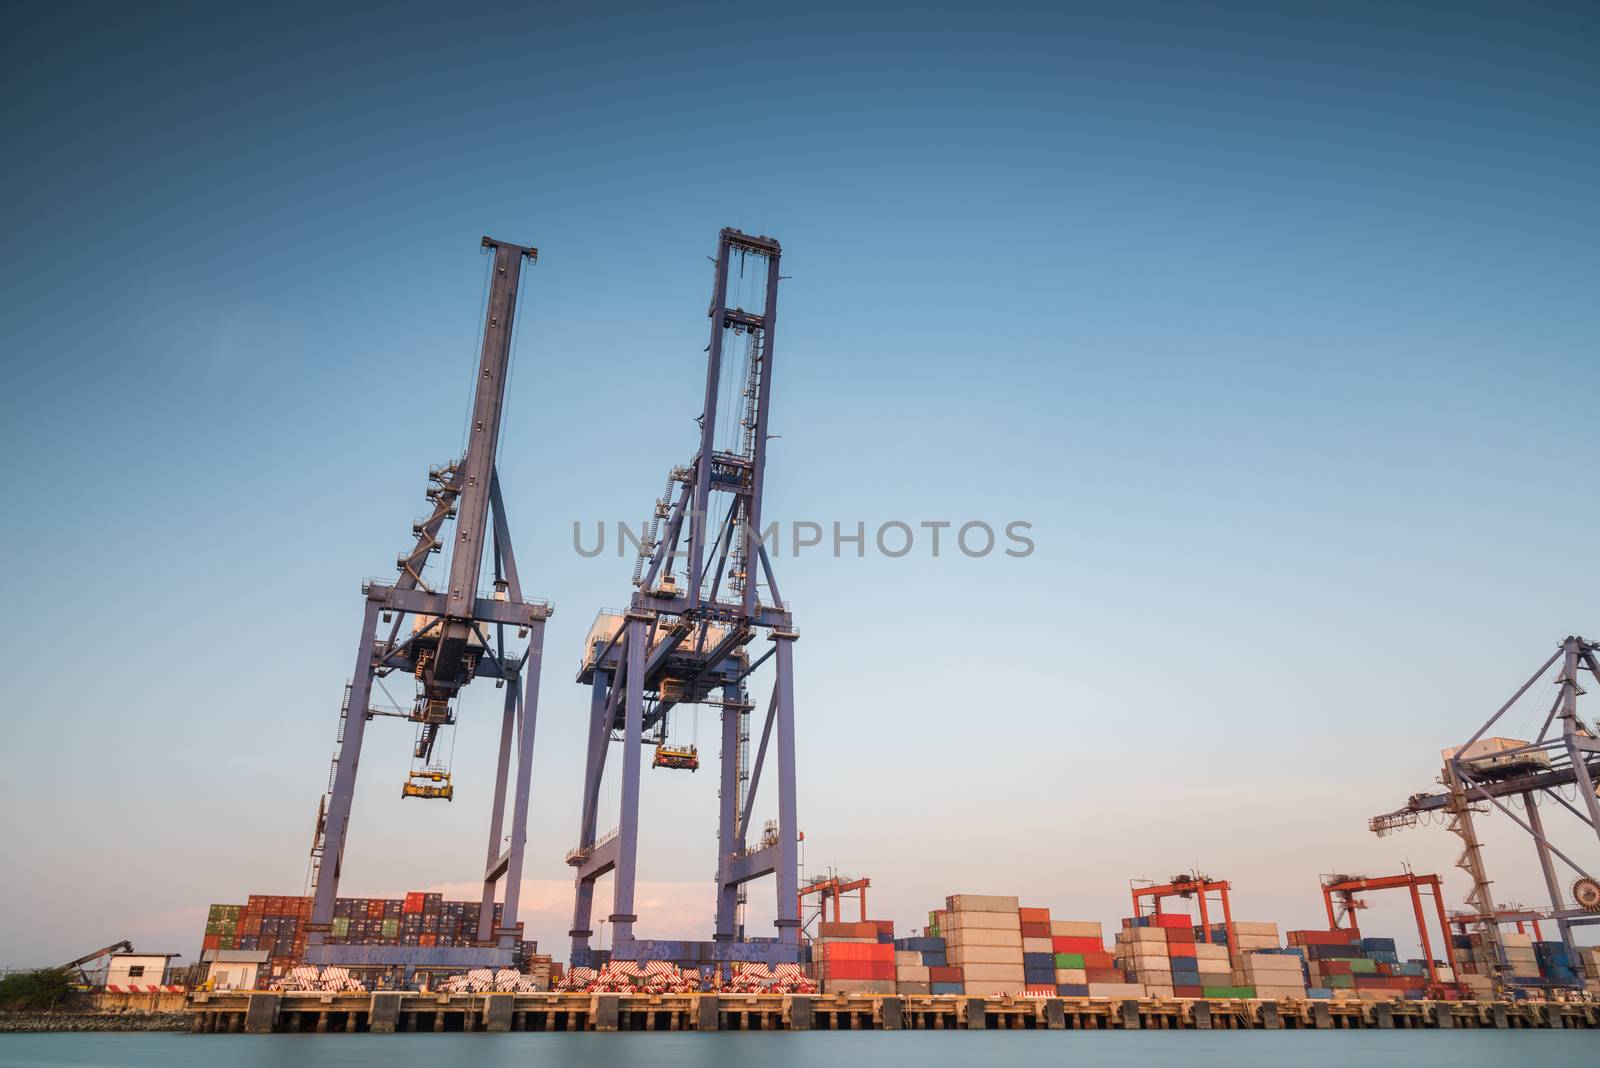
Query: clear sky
(1277, 322)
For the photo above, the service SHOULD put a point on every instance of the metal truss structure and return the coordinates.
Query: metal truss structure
(684, 640)
(1339, 896)
(456, 634)
(1189, 885)
(1477, 783)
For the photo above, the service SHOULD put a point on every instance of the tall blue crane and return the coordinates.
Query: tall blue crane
(697, 605)
(456, 634)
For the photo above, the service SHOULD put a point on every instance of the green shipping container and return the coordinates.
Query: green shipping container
(1339, 982)
(1228, 991)
(391, 928)
(341, 927)
(1069, 960)
(1359, 965)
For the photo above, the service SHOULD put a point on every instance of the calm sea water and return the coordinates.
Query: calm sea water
(1413, 1049)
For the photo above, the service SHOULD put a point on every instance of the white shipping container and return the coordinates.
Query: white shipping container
(981, 903)
(904, 957)
(1255, 927)
(910, 973)
(1142, 934)
(1037, 945)
(1203, 951)
(965, 955)
(913, 988)
(1071, 976)
(1158, 990)
(1077, 929)
(991, 921)
(1144, 951)
(1282, 962)
(984, 937)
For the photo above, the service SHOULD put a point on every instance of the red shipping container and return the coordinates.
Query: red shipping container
(1034, 915)
(1077, 945)
(1188, 992)
(856, 951)
(413, 903)
(1039, 991)
(945, 974)
(1184, 937)
(1035, 930)
(858, 969)
(427, 940)
(1322, 938)
(1332, 966)
(249, 925)
(1173, 921)
(885, 927)
(375, 909)
(847, 930)
(1105, 975)
(1097, 960)
(210, 941)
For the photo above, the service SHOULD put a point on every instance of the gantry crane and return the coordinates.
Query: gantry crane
(832, 887)
(684, 640)
(1189, 885)
(1485, 772)
(456, 633)
(1344, 888)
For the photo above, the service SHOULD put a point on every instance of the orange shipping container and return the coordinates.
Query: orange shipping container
(857, 951)
(1034, 916)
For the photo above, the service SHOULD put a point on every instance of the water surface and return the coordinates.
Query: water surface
(920, 1049)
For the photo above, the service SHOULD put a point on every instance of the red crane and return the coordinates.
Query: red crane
(1197, 886)
(1346, 887)
(831, 886)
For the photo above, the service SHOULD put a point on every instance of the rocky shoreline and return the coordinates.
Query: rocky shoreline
(18, 1022)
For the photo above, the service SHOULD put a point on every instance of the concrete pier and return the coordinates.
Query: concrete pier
(410, 1012)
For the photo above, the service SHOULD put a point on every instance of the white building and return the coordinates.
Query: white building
(233, 969)
(137, 971)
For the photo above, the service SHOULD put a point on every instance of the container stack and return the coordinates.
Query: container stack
(983, 936)
(1272, 973)
(1078, 953)
(1589, 957)
(1251, 935)
(1556, 965)
(1141, 953)
(915, 960)
(1340, 964)
(1038, 953)
(854, 958)
(278, 925)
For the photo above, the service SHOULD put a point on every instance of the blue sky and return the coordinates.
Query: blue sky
(1277, 323)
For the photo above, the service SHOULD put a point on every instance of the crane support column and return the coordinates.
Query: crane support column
(730, 834)
(1547, 867)
(622, 914)
(1422, 932)
(788, 921)
(337, 820)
